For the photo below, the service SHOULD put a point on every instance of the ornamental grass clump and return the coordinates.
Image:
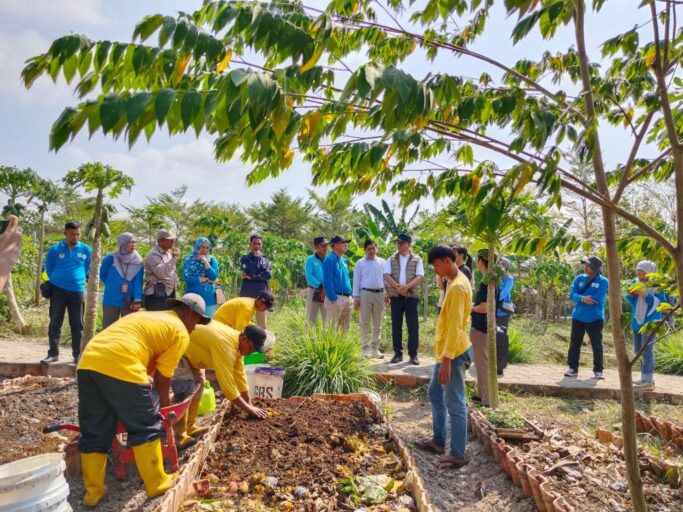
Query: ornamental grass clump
(519, 352)
(319, 359)
(669, 355)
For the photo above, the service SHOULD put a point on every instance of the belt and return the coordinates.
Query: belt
(373, 290)
(344, 294)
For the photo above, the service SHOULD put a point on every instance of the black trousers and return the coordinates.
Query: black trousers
(407, 306)
(502, 342)
(594, 330)
(104, 400)
(62, 301)
(153, 303)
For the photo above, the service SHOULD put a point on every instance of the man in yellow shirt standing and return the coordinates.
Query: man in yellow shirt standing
(221, 348)
(453, 353)
(114, 384)
(239, 312)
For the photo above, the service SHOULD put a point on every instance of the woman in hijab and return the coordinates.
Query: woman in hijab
(200, 271)
(121, 273)
(644, 301)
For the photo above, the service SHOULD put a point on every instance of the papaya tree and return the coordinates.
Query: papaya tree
(263, 80)
(47, 194)
(104, 181)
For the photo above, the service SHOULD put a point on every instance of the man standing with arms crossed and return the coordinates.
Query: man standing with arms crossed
(255, 275)
(369, 297)
(402, 273)
(337, 285)
(160, 267)
(315, 292)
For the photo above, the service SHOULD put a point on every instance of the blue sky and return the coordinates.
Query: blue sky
(28, 26)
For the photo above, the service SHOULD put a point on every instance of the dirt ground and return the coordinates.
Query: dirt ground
(480, 486)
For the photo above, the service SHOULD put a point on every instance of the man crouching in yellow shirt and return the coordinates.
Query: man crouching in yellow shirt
(113, 385)
(453, 353)
(239, 312)
(221, 348)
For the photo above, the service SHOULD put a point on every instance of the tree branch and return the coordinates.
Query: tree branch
(632, 157)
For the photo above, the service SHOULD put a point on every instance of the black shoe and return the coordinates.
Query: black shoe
(415, 361)
(49, 359)
(396, 359)
(76, 358)
(475, 398)
(500, 373)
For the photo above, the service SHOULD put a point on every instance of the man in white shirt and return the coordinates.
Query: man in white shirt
(403, 271)
(369, 297)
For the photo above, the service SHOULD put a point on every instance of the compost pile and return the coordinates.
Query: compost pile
(27, 405)
(591, 476)
(309, 454)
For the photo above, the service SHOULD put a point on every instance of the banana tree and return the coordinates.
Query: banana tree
(104, 181)
(47, 193)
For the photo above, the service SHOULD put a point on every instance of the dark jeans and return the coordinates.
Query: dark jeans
(502, 342)
(153, 303)
(62, 301)
(594, 330)
(104, 400)
(399, 307)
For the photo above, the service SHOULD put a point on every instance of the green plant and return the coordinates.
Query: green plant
(669, 355)
(519, 352)
(319, 359)
(502, 417)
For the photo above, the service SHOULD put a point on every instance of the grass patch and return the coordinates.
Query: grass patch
(519, 352)
(669, 355)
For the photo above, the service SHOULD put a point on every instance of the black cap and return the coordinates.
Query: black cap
(256, 335)
(338, 238)
(402, 237)
(267, 298)
(320, 240)
(593, 262)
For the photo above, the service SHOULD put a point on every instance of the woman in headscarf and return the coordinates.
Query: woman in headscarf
(200, 271)
(644, 301)
(121, 273)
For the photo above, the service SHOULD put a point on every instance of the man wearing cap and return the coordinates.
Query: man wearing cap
(114, 384)
(255, 274)
(239, 312)
(221, 348)
(160, 267)
(403, 271)
(337, 285)
(589, 292)
(315, 291)
(369, 297)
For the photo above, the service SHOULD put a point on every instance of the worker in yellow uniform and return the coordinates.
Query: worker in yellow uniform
(221, 348)
(114, 384)
(239, 312)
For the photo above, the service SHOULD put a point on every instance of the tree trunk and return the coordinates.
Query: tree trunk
(628, 420)
(93, 290)
(39, 266)
(14, 310)
(539, 303)
(491, 331)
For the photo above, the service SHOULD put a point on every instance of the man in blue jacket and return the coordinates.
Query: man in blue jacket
(315, 292)
(255, 275)
(67, 264)
(589, 292)
(338, 302)
(504, 310)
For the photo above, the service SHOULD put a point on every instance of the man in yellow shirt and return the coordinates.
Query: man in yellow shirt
(221, 348)
(239, 312)
(114, 384)
(453, 353)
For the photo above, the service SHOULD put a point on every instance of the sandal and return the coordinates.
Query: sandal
(429, 446)
(450, 463)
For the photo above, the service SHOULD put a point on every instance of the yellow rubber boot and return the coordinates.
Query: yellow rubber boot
(150, 463)
(192, 413)
(94, 467)
(182, 440)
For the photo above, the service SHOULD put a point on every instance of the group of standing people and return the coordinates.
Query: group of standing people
(132, 282)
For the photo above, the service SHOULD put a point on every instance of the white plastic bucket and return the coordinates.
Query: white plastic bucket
(268, 382)
(34, 484)
(251, 375)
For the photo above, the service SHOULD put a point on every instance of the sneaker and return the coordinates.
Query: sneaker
(644, 385)
(571, 372)
(397, 359)
(378, 355)
(414, 361)
(599, 376)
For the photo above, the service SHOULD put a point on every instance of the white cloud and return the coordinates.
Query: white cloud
(54, 12)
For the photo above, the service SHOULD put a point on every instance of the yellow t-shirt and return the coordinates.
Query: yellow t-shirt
(216, 346)
(135, 344)
(237, 313)
(452, 333)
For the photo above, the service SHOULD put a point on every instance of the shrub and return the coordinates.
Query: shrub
(519, 351)
(318, 359)
(669, 355)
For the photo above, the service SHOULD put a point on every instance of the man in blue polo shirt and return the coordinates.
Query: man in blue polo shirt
(338, 302)
(315, 291)
(589, 292)
(67, 264)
